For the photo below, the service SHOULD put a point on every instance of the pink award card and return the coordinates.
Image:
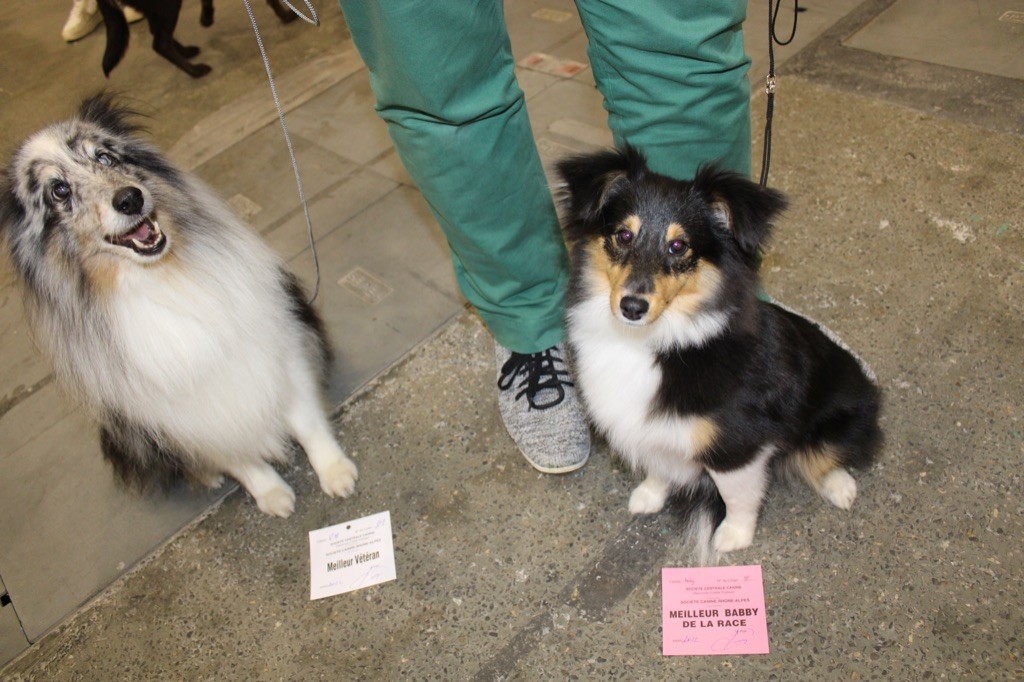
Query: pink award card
(713, 611)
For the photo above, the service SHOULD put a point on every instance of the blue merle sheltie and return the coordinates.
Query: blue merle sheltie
(164, 314)
(691, 376)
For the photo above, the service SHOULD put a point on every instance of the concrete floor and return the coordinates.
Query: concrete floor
(904, 236)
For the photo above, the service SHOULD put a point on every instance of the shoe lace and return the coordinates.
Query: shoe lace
(539, 371)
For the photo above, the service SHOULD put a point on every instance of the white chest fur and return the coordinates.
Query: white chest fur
(203, 357)
(619, 377)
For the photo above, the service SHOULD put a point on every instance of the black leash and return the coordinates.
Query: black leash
(773, 12)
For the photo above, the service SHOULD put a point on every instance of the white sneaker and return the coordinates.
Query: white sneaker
(82, 20)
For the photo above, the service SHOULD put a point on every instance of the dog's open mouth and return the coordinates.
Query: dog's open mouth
(145, 238)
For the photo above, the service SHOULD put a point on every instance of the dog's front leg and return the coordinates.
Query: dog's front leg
(273, 496)
(309, 426)
(742, 490)
(649, 497)
(337, 473)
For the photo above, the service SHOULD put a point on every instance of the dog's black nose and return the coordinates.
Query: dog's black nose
(128, 200)
(633, 308)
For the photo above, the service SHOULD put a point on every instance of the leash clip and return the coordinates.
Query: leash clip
(769, 85)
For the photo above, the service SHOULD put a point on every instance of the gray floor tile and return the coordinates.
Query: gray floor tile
(399, 288)
(342, 119)
(27, 418)
(21, 366)
(390, 166)
(537, 25)
(329, 210)
(6, 274)
(567, 100)
(575, 48)
(586, 134)
(973, 36)
(260, 170)
(67, 530)
(12, 637)
(239, 119)
(534, 82)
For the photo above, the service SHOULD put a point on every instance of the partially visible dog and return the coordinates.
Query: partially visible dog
(168, 317)
(693, 379)
(162, 16)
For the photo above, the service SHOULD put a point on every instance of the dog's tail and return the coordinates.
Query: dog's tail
(700, 509)
(117, 34)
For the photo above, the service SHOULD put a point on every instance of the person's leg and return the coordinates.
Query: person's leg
(674, 78)
(444, 79)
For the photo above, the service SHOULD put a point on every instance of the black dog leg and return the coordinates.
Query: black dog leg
(163, 19)
(169, 49)
(206, 15)
(188, 51)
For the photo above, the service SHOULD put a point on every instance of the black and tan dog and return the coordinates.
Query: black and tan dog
(691, 376)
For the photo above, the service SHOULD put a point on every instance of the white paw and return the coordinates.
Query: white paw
(278, 501)
(839, 488)
(338, 479)
(647, 499)
(730, 537)
(213, 481)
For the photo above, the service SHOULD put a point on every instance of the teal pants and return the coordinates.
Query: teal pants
(673, 76)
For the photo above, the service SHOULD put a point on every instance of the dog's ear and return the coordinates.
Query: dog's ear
(740, 205)
(104, 111)
(593, 180)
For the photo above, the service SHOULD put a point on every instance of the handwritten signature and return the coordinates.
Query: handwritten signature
(738, 638)
(374, 572)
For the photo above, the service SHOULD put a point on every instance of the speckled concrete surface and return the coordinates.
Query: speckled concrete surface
(904, 236)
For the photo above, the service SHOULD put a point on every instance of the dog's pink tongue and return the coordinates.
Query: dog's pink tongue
(141, 232)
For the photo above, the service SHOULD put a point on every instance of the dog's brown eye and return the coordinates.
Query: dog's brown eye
(676, 247)
(60, 190)
(624, 237)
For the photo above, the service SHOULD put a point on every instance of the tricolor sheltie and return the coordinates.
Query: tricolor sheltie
(164, 314)
(691, 377)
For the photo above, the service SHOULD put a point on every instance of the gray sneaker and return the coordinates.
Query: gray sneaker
(541, 410)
